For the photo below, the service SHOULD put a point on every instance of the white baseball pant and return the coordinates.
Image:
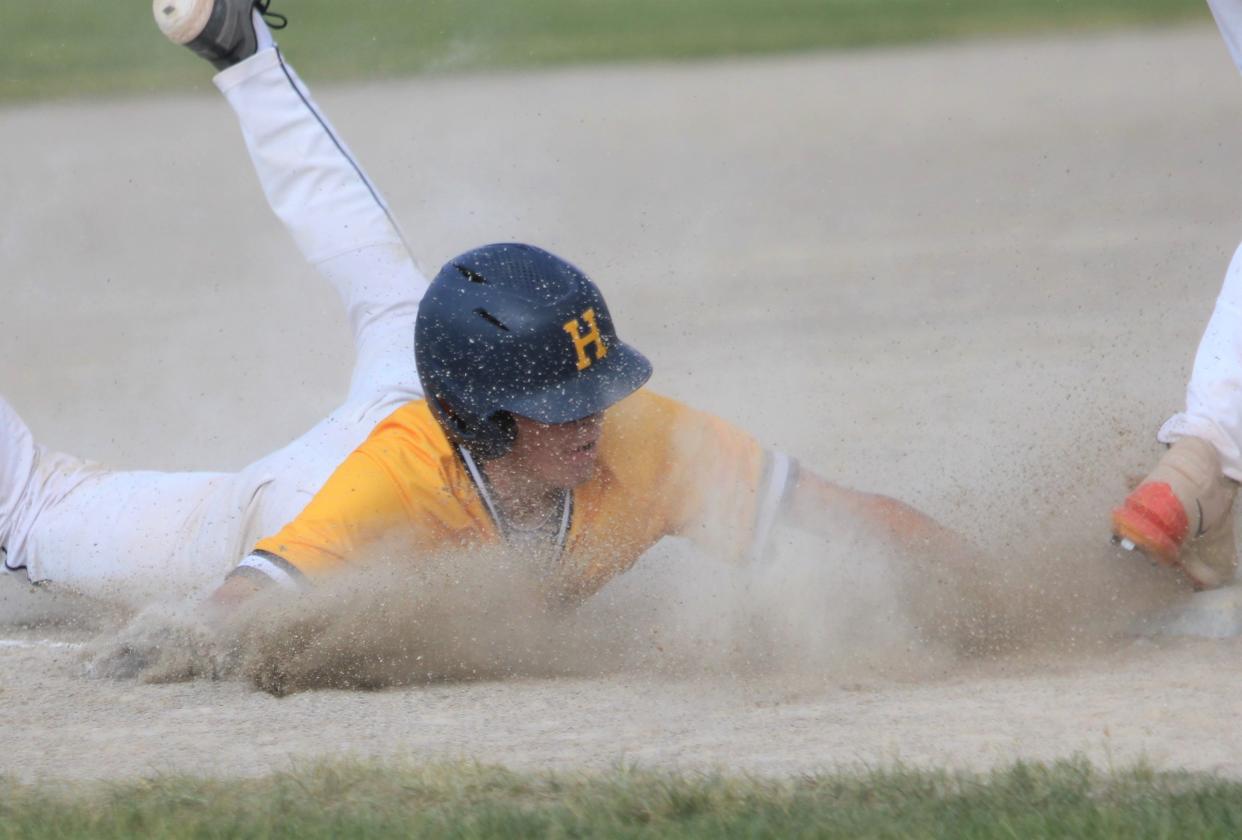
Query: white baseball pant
(1214, 393)
(143, 536)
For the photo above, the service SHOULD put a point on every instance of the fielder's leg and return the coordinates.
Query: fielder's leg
(1182, 513)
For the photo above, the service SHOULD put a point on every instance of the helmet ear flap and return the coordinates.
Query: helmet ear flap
(487, 438)
(457, 427)
(502, 432)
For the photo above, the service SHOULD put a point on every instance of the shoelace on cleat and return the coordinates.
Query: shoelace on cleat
(274, 20)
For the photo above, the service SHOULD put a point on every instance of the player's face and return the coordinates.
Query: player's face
(563, 455)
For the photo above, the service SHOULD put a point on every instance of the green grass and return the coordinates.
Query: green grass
(93, 47)
(1068, 799)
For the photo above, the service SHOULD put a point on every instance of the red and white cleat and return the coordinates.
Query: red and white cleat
(1181, 515)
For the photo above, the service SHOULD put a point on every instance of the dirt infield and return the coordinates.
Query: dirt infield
(969, 276)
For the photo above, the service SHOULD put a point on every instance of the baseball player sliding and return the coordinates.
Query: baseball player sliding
(1182, 512)
(524, 422)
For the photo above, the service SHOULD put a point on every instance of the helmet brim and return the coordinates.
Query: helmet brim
(608, 381)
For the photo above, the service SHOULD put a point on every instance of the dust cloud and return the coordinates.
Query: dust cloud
(486, 615)
(1043, 578)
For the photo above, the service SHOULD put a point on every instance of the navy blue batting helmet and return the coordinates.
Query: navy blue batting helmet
(511, 329)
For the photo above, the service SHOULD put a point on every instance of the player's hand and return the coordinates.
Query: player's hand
(230, 595)
(162, 645)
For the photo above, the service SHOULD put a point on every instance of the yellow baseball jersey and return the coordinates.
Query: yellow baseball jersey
(664, 469)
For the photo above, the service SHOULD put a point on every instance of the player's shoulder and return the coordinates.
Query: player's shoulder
(642, 428)
(646, 409)
(646, 418)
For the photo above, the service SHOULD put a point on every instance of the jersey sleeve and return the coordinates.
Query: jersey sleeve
(389, 488)
(718, 485)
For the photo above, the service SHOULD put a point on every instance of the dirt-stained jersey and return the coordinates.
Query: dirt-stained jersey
(664, 469)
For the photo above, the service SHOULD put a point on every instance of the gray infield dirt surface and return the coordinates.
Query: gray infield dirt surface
(969, 276)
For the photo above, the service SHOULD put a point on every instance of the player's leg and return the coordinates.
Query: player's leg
(1182, 513)
(342, 226)
(17, 460)
(335, 214)
(111, 534)
(138, 534)
(1228, 15)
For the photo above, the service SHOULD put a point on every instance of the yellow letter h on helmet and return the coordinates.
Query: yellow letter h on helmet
(583, 340)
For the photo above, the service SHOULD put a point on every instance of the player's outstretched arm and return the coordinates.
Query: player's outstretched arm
(949, 587)
(231, 594)
(821, 507)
